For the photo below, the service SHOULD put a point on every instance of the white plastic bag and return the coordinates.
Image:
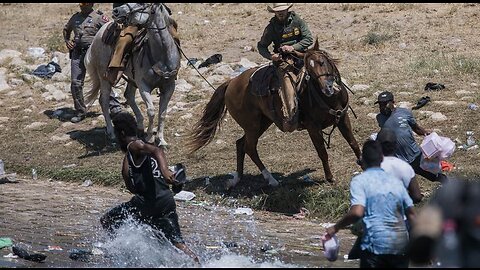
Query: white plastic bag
(331, 247)
(435, 146)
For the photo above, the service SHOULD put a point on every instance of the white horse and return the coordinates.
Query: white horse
(155, 65)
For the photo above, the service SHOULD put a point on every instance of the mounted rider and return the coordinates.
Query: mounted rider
(130, 18)
(289, 33)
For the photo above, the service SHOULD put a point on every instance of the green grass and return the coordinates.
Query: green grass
(374, 38)
(54, 42)
(455, 64)
(77, 174)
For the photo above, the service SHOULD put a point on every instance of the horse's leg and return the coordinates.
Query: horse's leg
(165, 97)
(105, 89)
(346, 129)
(248, 144)
(130, 96)
(146, 95)
(317, 139)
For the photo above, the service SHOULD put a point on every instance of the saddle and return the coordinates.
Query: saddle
(264, 81)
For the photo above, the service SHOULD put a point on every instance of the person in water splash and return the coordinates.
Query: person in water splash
(146, 175)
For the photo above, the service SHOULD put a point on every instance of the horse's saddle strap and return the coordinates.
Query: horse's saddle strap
(140, 38)
(111, 34)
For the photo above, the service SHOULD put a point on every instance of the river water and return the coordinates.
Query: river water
(54, 218)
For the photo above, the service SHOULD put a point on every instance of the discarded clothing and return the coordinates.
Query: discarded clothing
(422, 102)
(446, 166)
(216, 58)
(80, 254)
(22, 253)
(47, 71)
(5, 242)
(434, 86)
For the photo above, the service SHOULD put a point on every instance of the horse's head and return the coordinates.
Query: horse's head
(321, 68)
(131, 13)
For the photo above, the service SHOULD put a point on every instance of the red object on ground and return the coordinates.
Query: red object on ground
(446, 166)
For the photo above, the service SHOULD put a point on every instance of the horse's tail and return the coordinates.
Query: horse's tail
(204, 130)
(91, 93)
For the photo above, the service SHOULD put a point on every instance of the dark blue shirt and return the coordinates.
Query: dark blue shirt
(401, 122)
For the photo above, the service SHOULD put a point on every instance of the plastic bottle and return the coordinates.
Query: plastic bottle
(470, 138)
(448, 251)
(34, 174)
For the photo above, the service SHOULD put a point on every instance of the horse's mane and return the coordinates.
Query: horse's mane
(330, 59)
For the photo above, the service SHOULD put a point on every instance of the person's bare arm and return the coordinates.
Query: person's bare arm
(187, 251)
(126, 178)
(411, 215)
(414, 191)
(420, 130)
(355, 213)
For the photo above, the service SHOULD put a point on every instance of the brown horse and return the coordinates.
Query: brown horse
(320, 105)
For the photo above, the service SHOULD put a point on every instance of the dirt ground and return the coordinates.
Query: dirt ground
(396, 47)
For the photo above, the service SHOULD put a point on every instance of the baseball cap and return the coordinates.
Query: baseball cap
(384, 97)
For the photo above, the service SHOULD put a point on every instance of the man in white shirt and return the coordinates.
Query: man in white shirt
(398, 167)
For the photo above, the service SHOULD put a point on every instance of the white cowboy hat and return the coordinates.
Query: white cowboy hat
(279, 7)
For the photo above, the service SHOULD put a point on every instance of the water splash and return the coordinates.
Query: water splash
(137, 245)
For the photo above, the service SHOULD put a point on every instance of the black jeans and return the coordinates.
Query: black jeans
(168, 223)
(440, 177)
(371, 260)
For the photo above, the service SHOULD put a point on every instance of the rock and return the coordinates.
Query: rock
(12, 93)
(4, 119)
(35, 125)
(372, 115)
(184, 196)
(214, 80)
(30, 78)
(35, 52)
(474, 84)
(359, 87)
(446, 102)
(244, 62)
(16, 82)
(61, 138)
(438, 117)
(463, 92)
(186, 116)
(59, 95)
(223, 70)
(3, 80)
(26, 93)
(40, 86)
(243, 211)
(402, 45)
(183, 86)
(6, 55)
(404, 104)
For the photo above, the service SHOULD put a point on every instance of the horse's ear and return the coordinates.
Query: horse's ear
(315, 46)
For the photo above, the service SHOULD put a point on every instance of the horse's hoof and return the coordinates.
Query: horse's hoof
(161, 143)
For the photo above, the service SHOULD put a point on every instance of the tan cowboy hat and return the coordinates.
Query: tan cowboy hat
(279, 7)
